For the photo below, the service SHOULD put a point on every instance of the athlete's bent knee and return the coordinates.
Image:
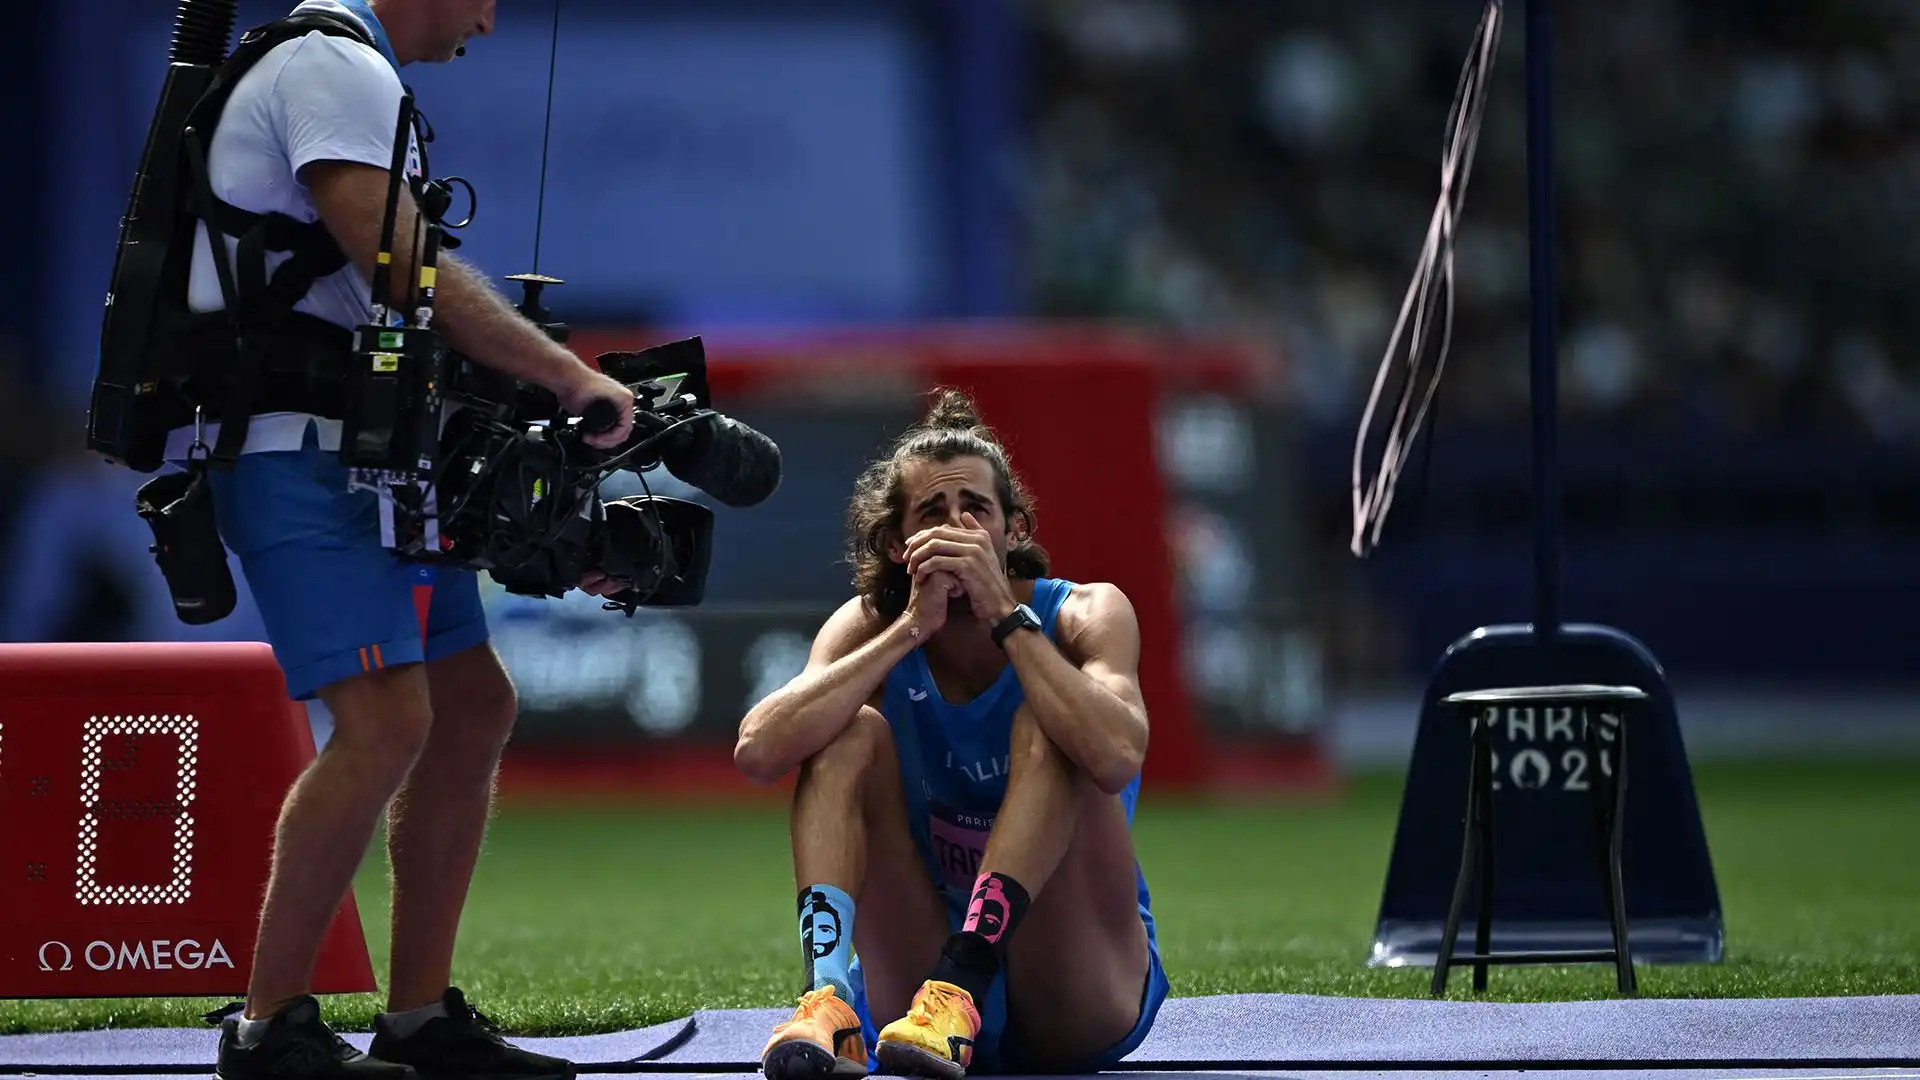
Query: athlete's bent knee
(1030, 751)
(381, 720)
(852, 753)
(1089, 796)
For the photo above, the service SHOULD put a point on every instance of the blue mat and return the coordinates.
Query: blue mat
(1246, 1029)
(134, 1047)
(1302, 1028)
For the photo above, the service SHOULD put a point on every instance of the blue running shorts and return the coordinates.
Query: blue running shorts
(334, 602)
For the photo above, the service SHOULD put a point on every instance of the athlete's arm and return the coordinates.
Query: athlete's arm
(846, 668)
(1085, 692)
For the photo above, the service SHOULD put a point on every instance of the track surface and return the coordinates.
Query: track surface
(1253, 1035)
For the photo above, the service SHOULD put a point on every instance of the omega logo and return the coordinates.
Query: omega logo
(185, 954)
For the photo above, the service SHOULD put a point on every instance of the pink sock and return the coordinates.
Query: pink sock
(998, 903)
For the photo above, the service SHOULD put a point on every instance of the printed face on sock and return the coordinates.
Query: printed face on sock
(822, 927)
(989, 909)
(992, 918)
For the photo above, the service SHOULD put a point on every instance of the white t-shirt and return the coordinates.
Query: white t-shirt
(315, 98)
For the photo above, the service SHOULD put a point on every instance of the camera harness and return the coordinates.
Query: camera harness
(256, 305)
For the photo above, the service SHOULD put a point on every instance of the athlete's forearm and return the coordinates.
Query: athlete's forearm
(798, 721)
(1101, 732)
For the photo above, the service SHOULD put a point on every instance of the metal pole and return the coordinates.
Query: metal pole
(1542, 219)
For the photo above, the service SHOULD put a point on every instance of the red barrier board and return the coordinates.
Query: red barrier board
(140, 784)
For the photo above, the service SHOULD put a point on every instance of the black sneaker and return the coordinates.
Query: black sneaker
(297, 1045)
(464, 1045)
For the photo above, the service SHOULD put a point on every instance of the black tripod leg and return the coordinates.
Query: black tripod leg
(1483, 824)
(1616, 884)
(1469, 853)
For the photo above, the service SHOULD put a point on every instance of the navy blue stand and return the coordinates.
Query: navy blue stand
(1545, 766)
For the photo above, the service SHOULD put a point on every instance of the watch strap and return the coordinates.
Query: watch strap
(1021, 618)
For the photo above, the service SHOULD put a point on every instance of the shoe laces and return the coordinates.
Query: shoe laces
(319, 1049)
(922, 1011)
(338, 1048)
(813, 1001)
(479, 1022)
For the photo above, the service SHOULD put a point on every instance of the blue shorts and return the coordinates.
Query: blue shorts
(334, 602)
(998, 1049)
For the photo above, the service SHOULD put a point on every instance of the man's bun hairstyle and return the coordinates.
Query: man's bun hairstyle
(953, 410)
(950, 428)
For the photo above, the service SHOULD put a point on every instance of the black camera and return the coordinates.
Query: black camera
(513, 487)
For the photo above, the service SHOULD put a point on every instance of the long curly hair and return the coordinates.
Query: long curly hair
(951, 429)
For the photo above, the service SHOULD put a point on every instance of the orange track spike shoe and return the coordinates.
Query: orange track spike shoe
(823, 1039)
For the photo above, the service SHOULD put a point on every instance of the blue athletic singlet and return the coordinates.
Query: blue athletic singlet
(953, 768)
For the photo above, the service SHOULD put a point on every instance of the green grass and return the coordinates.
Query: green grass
(602, 919)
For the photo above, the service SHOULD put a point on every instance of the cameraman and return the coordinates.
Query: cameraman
(421, 705)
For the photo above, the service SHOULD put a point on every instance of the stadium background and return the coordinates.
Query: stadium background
(1164, 243)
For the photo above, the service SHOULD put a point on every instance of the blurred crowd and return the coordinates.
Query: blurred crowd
(1738, 187)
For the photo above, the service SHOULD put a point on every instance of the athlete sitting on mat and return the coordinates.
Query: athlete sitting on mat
(969, 733)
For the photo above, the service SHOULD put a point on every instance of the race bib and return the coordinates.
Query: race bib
(959, 843)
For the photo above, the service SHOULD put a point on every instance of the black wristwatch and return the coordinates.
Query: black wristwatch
(1022, 618)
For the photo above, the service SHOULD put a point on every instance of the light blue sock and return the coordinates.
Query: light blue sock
(826, 938)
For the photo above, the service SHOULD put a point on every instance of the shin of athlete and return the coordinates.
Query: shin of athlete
(1081, 982)
(1030, 836)
(849, 813)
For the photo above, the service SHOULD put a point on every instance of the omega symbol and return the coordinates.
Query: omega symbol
(66, 956)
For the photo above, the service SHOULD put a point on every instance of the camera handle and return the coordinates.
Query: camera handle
(600, 416)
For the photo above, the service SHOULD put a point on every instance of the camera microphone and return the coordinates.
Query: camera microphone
(724, 458)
